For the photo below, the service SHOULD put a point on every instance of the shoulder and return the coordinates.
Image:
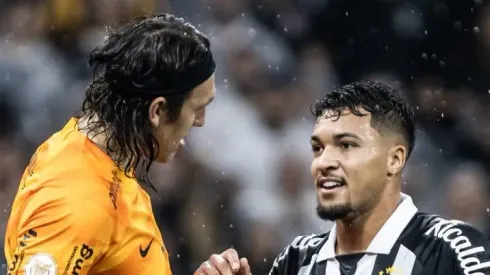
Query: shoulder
(448, 231)
(302, 246)
(72, 202)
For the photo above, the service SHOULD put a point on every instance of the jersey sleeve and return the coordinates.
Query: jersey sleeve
(465, 250)
(58, 234)
(285, 262)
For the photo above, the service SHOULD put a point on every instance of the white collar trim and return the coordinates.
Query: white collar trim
(386, 237)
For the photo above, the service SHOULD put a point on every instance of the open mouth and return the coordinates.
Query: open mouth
(331, 184)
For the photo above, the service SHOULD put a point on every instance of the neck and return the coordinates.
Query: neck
(355, 234)
(97, 136)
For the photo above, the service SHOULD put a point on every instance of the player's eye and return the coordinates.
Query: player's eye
(347, 145)
(316, 148)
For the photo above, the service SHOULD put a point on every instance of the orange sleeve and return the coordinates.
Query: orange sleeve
(59, 233)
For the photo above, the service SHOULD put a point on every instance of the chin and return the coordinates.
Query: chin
(333, 211)
(165, 158)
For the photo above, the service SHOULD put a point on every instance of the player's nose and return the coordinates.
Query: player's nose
(328, 161)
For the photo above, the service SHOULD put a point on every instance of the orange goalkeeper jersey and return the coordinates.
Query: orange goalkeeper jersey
(76, 213)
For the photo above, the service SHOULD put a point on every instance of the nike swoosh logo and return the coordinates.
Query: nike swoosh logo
(144, 252)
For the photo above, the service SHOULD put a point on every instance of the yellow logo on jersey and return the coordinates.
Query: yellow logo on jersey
(390, 270)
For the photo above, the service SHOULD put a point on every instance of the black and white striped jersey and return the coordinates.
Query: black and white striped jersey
(410, 242)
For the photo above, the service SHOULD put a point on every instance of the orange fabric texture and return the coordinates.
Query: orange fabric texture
(75, 213)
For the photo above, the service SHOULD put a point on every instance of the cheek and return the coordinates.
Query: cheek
(366, 169)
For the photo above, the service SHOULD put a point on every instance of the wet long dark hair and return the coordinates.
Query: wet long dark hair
(140, 54)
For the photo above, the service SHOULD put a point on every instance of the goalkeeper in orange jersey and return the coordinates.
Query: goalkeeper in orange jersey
(79, 208)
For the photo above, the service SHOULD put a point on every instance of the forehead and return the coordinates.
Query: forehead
(331, 124)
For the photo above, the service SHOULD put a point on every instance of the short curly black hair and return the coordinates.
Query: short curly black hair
(388, 108)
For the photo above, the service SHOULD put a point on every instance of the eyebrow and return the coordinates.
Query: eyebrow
(338, 136)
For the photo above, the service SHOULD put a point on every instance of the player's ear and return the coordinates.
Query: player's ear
(397, 156)
(157, 111)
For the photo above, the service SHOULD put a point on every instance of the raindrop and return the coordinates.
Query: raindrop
(178, 255)
(277, 68)
(265, 260)
(278, 16)
(442, 114)
(243, 14)
(285, 29)
(442, 63)
(434, 56)
(346, 13)
(231, 225)
(425, 56)
(203, 225)
(426, 33)
(476, 30)
(226, 80)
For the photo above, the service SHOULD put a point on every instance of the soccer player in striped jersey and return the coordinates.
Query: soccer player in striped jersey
(363, 136)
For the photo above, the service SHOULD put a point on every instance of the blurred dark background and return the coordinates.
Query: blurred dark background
(244, 180)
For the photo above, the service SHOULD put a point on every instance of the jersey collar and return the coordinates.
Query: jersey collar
(386, 237)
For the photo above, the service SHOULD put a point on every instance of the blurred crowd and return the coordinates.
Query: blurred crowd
(243, 180)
